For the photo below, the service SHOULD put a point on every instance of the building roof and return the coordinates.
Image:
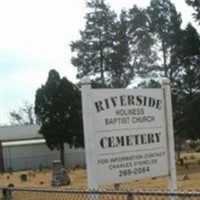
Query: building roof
(23, 142)
(19, 132)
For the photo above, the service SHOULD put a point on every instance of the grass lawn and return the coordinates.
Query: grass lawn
(78, 178)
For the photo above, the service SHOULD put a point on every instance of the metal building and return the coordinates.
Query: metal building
(21, 148)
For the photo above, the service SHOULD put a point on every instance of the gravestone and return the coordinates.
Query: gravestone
(181, 162)
(59, 176)
(23, 177)
(185, 176)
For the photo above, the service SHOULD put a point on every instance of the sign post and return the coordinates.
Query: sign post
(88, 133)
(170, 134)
(126, 134)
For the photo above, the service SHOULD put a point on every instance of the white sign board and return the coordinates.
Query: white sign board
(125, 134)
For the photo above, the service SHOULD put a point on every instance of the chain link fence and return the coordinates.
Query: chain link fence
(13, 193)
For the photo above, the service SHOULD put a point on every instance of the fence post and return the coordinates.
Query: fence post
(130, 196)
(7, 194)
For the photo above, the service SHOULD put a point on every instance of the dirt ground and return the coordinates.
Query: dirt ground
(78, 177)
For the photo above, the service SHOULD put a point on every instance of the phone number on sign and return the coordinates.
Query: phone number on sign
(135, 171)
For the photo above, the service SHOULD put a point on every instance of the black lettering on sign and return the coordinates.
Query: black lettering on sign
(117, 120)
(143, 119)
(129, 140)
(127, 100)
(135, 171)
(127, 112)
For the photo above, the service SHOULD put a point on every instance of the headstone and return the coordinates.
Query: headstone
(41, 182)
(23, 177)
(181, 162)
(185, 176)
(59, 176)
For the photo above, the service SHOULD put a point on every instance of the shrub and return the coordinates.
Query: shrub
(192, 157)
(185, 157)
(193, 145)
(197, 149)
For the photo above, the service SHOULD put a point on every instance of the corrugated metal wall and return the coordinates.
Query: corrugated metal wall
(23, 148)
(36, 155)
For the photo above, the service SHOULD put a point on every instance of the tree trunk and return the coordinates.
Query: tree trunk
(178, 154)
(101, 63)
(164, 59)
(62, 155)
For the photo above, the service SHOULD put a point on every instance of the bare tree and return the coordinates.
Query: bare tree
(24, 115)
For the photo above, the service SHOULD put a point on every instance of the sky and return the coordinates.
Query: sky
(35, 37)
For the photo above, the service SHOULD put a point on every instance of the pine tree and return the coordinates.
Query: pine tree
(114, 50)
(58, 111)
(96, 41)
(186, 89)
(120, 70)
(141, 43)
(165, 24)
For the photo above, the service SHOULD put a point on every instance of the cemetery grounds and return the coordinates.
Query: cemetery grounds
(188, 177)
